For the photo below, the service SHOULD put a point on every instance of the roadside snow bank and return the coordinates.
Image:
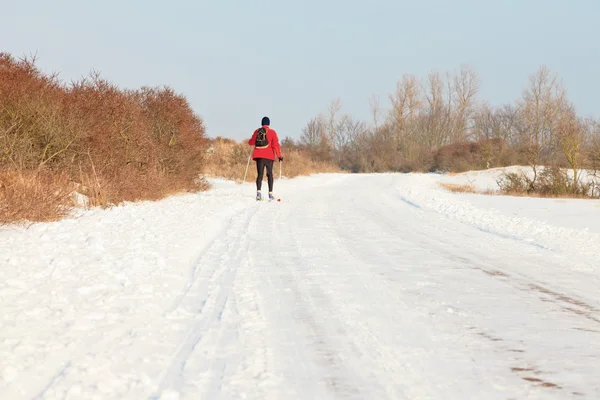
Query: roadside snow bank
(425, 192)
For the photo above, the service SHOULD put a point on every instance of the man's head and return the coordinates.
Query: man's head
(265, 121)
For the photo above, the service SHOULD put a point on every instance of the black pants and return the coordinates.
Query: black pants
(261, 163)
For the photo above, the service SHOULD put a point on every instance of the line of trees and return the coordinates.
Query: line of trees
(439, 124)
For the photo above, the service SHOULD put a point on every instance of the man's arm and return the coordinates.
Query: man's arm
(252, 140)
(276, 146)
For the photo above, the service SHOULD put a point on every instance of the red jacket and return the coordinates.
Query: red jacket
(271, 151)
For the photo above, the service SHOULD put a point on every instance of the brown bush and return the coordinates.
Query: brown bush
(482, 154)
(122, 145)
(421, 159)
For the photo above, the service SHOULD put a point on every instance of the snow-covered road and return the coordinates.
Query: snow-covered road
(352, 287)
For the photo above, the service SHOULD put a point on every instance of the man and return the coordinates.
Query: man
(266, 147)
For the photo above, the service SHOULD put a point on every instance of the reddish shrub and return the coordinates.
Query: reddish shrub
(483, 154)
(123, 144)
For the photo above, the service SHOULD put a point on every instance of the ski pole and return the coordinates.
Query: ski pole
(247, 165)
(279, 169)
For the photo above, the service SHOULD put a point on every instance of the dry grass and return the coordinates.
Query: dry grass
(33, 196)
(228, 159)
(537, 195)
(458, 188)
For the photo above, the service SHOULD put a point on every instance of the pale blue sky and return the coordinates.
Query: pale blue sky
(236, 61)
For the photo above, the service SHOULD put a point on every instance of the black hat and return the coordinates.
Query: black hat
(265, 121)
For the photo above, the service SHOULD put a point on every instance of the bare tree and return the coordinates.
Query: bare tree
(572, 133)
(333, 124)
(465, 89)
(487, 124)
(342, 136)
(350, 130)
(313, 133)
(542, 104)
(375, 111)
(406, 107)
(406, 102)
(436, 112)
(593, 143)
(350, 139)
(512, 124)
(314, 138)
(504, 123)
(593, 158)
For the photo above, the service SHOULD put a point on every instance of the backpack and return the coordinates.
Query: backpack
(261, 138)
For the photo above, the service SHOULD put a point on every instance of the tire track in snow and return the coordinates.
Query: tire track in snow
(388, 229)
(516, 278)
(77, 358)
(198, 262)
(527, 285)
(61, 373)
(227, 362)
(394, 361)
(324, 342)
(207, 297)
(339, 379)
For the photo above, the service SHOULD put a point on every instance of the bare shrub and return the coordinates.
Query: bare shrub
(122, 145)
(315, 139)
(513, 183)
(460, 157)
(551, 181)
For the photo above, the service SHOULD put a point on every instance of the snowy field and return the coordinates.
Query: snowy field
(352, 287)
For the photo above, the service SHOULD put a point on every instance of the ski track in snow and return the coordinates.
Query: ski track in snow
(378, 286)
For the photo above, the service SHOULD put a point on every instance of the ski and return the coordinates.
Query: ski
(270, 198)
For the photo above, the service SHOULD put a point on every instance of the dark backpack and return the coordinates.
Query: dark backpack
(261, 137)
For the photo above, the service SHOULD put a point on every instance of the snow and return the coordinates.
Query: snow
(379, 286)
(568, 213)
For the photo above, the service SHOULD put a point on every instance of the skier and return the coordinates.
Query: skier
(266, 147)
